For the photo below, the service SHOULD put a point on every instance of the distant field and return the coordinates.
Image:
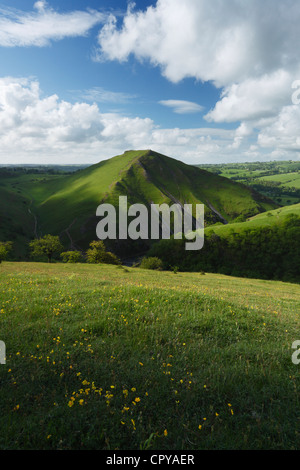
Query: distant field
(291, 180)
(278, 180)
(102, 357)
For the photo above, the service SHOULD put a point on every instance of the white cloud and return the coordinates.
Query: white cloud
(45, 129)
(224, 41)
(100, 95)
(249, 49)
(254, 98)
(284, 132)
(182, 107)
(35, 128)
(40, 5)
(40, 27)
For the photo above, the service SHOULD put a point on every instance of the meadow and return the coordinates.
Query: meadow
(106, 357)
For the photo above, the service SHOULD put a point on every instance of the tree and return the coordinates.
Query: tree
(5, 248)
(48, 245)
(71, 256)
(98, 254)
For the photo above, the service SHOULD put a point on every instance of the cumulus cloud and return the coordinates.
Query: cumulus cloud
(284, 132)
(182, 107)
(250, 50)
(254, 98)
(38, 128)
(35, 128)
(224, 41)
(43, 25)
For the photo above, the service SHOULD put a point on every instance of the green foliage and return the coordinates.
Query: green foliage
(266, 252)
(71, 256)
(98, 254)
(48, 245)
(152, 263)
(5, 249)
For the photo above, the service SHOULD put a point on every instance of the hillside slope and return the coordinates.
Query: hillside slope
(65, 204)
(267, 246)
(145, 177)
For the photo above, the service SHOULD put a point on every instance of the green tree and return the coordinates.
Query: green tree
(5, 248)
(71, 256)
(97, 254)
(153, 263)
(48, 245)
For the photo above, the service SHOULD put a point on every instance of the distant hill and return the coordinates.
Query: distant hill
(266, 246)
(265, 219)
(66, 204)
(278, 180)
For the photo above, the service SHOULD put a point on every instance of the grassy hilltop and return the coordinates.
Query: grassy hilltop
(110, 358)
(66, 205)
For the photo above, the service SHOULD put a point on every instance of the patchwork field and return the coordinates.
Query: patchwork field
(106, 357)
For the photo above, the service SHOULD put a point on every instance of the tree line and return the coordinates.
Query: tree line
(270, 252)
(266, 252)
(49, 247)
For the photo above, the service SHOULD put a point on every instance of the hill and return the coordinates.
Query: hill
(66, 205)
(266, 246)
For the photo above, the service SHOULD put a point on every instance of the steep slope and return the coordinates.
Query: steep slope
(267, 246)
(145, 177)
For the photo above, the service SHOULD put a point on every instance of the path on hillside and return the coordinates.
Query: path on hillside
(225, 222)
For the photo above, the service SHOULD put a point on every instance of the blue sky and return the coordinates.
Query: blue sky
(82, 81)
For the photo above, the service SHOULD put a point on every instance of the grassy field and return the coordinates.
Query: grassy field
(105, 357)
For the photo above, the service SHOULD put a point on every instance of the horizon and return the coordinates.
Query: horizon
(74, 164)
(207, 85)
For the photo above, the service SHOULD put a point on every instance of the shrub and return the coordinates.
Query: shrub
(71, 256)
(5, 248)
(152, 263)
(98, 254)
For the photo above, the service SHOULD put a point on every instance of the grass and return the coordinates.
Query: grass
(105, 357)
(265, 219)
(288, 179)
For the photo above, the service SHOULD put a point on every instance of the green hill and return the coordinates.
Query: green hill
(66, 205)
(145, 177)
(265, 219)
(266, 246)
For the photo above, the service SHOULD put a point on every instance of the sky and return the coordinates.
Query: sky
(201, 81)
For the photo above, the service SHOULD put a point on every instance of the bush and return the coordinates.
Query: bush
(71, 256)
(5, 248)
(98, 254)
(152, 263)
